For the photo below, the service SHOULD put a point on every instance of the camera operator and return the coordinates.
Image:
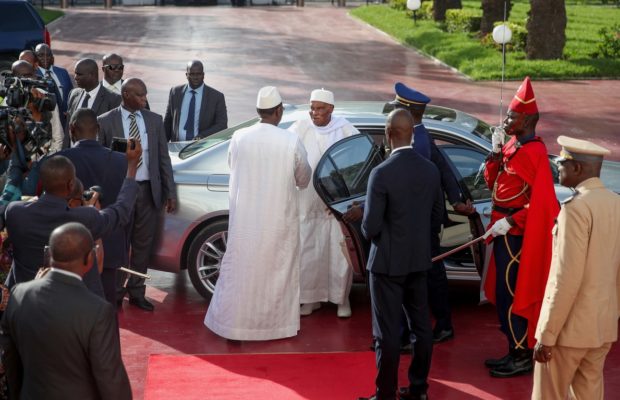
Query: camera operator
(98, 165)
(23, 168)
(30, 224)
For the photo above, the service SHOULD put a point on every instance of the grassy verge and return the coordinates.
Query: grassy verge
(49, 15)
(464, 51)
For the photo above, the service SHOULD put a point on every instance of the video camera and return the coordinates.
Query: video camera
(16, 117)
(17, 92)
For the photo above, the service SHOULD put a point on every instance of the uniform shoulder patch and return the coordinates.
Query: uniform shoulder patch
(570, 198)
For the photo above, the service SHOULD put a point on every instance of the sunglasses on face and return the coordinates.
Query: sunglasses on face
(117, 67)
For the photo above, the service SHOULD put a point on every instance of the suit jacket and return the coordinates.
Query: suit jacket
(160, 167)
(580, 306)
(404, 204)
(29, 225)
(67, 85)
(63, 341)
(97, 165)
(104, 102)
(212, 116)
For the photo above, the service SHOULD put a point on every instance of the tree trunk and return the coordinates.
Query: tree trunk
(493, 11)
(546, 30)
(440, 7)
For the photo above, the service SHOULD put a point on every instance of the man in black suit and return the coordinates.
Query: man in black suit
(100, 166)
(404, 203)
(62, 338)
(89, 93)
(29, 224)
(194, 110)
(155, 180)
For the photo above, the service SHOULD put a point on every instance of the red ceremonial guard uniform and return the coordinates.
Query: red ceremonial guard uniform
(522, 187)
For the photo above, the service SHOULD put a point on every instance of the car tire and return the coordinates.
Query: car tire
(205, 257)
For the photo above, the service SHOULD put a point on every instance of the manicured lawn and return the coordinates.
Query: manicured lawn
(49, 15)
(464, 52)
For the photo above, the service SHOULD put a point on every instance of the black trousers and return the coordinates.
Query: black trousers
(108, 280)
(438, 292)
(145, 222)
(507, 250)
(389, 295)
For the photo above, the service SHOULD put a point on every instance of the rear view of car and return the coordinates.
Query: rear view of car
(21, 28)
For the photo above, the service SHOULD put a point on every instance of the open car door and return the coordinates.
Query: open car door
(340, 178)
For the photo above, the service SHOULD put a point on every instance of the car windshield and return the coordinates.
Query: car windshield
(212, 140)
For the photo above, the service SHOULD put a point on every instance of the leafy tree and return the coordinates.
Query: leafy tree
(546, 27)
(440, 7)
(493, 11)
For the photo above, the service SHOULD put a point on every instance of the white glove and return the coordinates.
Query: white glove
(500, 227)
(497, 139)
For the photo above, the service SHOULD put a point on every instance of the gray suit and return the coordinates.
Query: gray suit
(212, 115)
(62, 342)
(151, 194)
(104, 102)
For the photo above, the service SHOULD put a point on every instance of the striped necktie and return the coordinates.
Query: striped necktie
(134, 132)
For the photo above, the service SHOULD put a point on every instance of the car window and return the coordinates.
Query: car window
(210, 141)
(343, 171)
(17, 17)
(470, 165)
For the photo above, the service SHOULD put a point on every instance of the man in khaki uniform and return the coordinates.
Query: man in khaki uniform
(579, 316)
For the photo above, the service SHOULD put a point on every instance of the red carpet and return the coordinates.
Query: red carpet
(261, 376)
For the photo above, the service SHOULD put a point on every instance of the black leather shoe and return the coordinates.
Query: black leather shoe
(406, 348)
(142, 303)
(497, 362)
(405, 394)
(514, 367)
(443, 335)
(373, 397)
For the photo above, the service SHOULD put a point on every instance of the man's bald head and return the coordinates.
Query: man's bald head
(28, 55)
(45, 56)
(195, 74)
(83, 125)
(58, 176)
(86, 74)
(71, 248)
(399, 127)
(22, 69)
(133, 92)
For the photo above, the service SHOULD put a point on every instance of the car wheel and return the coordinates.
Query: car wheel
(205, 257)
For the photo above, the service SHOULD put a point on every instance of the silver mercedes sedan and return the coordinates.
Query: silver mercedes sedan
(194, 238)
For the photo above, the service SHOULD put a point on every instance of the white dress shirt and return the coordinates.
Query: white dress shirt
(54, 77)
(114, 88)
(91, 100)
(143, 170)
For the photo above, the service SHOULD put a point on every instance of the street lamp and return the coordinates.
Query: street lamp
(502, 34)
(414, 5)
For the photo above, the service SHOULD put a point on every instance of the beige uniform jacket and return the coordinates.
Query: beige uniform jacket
(580, 308)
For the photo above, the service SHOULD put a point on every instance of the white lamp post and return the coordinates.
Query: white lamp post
(414, 5)
(502, 34)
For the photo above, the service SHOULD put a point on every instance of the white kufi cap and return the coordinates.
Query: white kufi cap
(268, 97)
(322, 95)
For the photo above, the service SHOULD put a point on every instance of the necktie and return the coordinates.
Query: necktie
(189, 123)
(134, 132)
(85, 101)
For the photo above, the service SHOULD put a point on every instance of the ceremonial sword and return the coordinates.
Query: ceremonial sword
(461, 247)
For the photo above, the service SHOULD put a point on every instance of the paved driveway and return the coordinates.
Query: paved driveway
(302, 49)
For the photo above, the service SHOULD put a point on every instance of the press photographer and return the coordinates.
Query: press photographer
(29, 125)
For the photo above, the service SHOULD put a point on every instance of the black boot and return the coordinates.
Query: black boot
(497, 362)
(520, 362)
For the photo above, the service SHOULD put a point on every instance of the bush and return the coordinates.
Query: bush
(461, 20)
(518, 41)
(609, 46)
(400, 5)
(426, 10)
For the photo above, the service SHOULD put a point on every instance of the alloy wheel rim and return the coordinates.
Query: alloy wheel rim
(209, 259)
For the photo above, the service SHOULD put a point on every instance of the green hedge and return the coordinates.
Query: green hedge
(462, 20)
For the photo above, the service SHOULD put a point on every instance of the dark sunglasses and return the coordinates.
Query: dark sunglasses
(118, 67)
